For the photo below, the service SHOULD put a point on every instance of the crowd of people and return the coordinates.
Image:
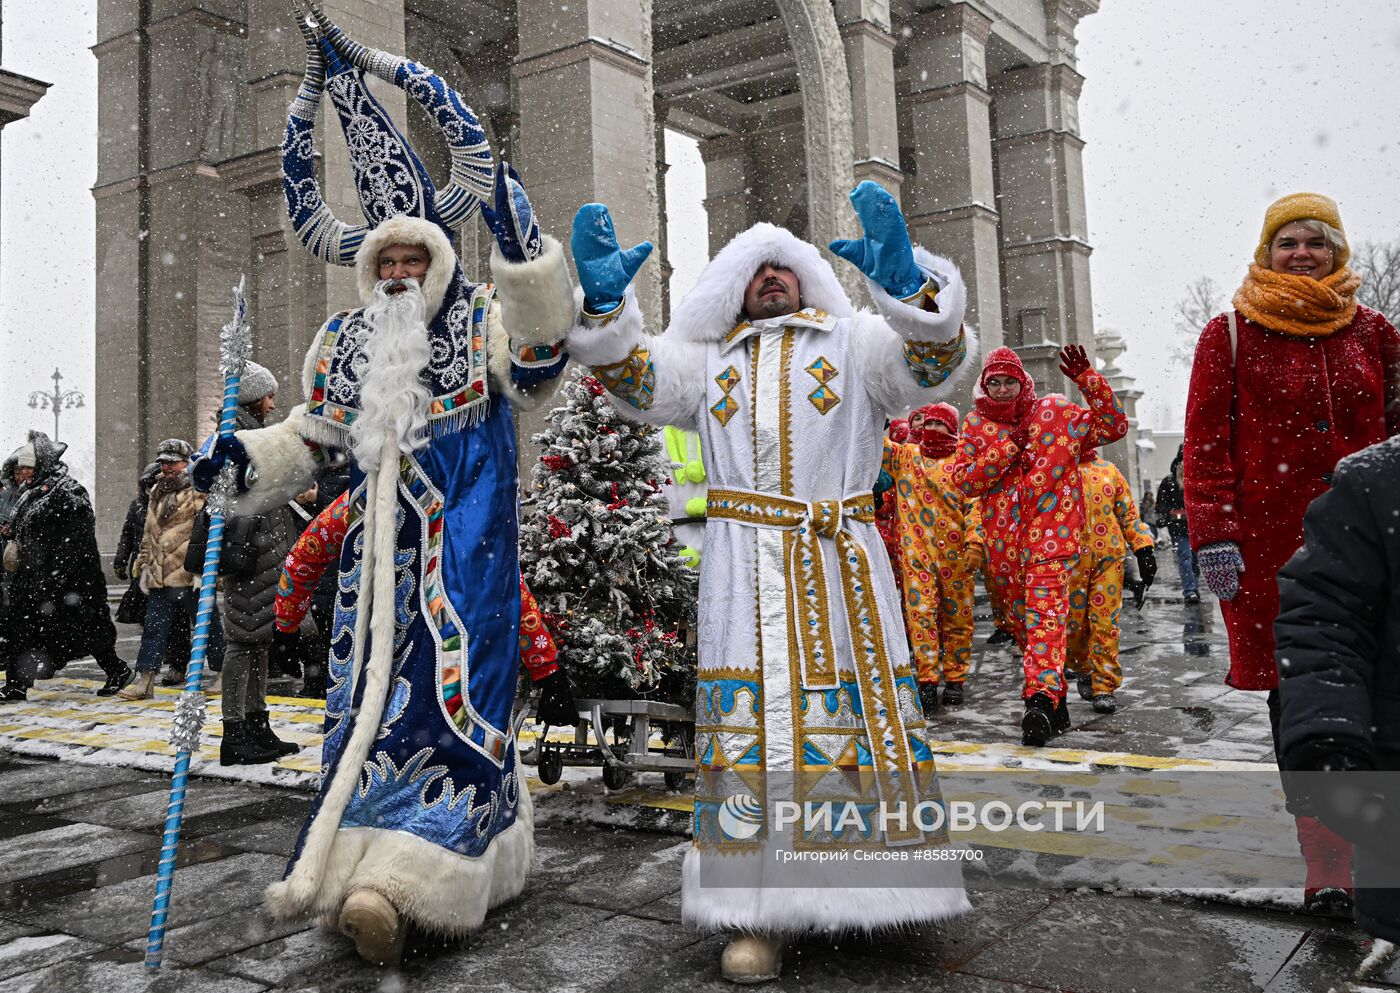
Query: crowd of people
(867, 598)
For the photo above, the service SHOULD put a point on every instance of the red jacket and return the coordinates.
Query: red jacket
(1264, 429)
(1032, 502)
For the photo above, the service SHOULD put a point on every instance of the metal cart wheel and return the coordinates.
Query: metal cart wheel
(551, 766)
(616, 776)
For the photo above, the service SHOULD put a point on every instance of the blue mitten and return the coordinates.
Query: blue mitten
(207, 462)
(604, 269)
(513, 221)
(884, 252)
(1221, 564)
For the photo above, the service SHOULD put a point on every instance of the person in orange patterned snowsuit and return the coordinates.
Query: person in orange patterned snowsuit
(319, 547)
(932, 528)
(886, 509)
(1112, 527)
(1020, 454)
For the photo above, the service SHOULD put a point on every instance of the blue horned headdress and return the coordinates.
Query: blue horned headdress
(389, 176)
(401, 206)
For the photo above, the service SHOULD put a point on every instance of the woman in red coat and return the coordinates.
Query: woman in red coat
(1297, 376)
(1020, 454)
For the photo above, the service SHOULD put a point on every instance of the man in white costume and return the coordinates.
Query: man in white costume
(805, 689)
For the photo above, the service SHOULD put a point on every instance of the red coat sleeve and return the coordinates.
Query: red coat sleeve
(1107, 420)
(315, 551)
(1211, 484)
(1390, 364)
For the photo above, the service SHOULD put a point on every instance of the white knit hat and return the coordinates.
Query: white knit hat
(25, 456)
(257, 382)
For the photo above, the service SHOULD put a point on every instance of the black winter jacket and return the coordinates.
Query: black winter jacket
(1338, 644)
(259, 544)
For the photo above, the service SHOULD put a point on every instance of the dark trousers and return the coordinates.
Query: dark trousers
(162, 607)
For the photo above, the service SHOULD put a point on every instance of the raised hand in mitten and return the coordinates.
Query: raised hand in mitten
(1221, 564)
(512, 220)
(1074, 361)
(605, 270)
(883, 253)
(204, 468)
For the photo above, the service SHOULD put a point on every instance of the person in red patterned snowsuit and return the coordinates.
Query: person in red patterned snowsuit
(1020, 454)
(318, 549)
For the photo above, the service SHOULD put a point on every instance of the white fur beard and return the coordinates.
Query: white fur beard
(392, 394)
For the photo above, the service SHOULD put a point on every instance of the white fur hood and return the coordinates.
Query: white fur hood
(714, 306)
(405, 230)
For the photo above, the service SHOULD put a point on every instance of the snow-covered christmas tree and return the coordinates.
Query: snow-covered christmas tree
(599, 555)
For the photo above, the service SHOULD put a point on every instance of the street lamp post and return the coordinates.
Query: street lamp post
(59, 399)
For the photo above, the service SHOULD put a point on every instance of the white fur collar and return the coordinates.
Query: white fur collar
(404, 230)
(713, 308)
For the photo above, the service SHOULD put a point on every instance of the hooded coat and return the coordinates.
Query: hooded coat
(1032, 506)
(58, 596)
(1266, 424)
(801, 654)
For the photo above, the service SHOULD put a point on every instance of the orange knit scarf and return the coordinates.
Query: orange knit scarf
(1298, 305)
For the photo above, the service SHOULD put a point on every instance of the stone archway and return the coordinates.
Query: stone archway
(826, 117)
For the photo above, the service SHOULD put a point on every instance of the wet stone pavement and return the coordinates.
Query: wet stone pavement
(79, 846)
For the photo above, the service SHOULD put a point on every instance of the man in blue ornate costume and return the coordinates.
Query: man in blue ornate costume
(422, 815)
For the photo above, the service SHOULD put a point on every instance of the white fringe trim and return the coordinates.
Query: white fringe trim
(796, 911)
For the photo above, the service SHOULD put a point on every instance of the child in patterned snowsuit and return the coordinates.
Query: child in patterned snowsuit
(932, 528)
(1111, 528)
(1020, 454)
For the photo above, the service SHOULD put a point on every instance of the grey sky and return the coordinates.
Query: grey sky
(1197, 114)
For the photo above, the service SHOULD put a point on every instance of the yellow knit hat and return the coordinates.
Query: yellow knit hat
(1300, 207)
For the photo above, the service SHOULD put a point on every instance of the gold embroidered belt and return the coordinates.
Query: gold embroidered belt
(804, 526)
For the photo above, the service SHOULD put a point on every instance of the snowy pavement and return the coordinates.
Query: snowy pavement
(1057, 911)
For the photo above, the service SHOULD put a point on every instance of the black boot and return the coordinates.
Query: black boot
(117, 680)
(239, 748)
(1085, 683)
(1060, 719)
(260, 731)
(928, 698)
(1000, 636)
(14, 693)
(952, 694)
(1038, 724)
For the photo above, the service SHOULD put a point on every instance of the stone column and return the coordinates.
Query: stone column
(583, 81)
(870, 45)
(729, 170)
(826, 126)
(950, 193)
(1123, 454)
(170, 239)
(1045, 248)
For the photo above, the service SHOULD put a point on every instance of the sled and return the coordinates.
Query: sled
(631, 749)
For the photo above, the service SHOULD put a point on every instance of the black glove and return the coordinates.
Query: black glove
(1147, 566)
(557, 707)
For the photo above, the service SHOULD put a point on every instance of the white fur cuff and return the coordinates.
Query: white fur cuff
(537, 300)
(916, 324)
(603, 341)
(279, 464)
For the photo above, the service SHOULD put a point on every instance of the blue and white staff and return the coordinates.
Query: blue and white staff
(235, 345)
